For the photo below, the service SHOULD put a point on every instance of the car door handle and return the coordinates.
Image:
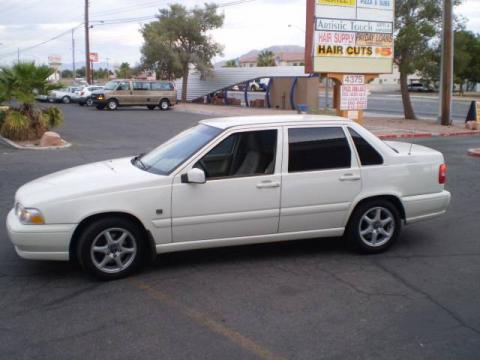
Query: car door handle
(349, 177)
(268, 184)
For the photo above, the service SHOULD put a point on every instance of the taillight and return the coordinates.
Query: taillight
(442, 174)
(81, 94)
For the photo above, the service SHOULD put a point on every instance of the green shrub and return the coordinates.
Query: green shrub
(52, 117)
(3, 114)
(15, 126)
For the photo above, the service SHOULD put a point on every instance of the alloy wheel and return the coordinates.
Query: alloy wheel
(377, 226)
(113, 250)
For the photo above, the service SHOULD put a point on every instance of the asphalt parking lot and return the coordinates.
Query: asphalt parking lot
(300, 300)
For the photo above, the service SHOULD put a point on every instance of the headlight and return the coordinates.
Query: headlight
(29, 216)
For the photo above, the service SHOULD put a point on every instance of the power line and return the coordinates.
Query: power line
(43, 42)
(117, 21)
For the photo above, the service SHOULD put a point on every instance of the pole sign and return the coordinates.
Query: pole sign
(349, 36)
(93, 57)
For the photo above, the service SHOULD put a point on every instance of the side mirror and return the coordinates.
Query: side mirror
(194, 176)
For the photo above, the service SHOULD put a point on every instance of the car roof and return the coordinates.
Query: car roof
(229, 122)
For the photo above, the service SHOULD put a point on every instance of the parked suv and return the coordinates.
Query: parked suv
(136, 93)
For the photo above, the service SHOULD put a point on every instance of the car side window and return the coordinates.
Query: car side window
(141, 85)
(321, 148)
(162, 86)
(242, 154)
(368, 155)
(124, 85)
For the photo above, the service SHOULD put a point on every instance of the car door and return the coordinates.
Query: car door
(321, 179)
(123, 93)
(241, 196)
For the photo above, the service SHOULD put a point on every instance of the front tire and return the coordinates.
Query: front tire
(112, 105)
(374, 226)
(112, 248)
(100, 107)
(66, 100)
(151, 107)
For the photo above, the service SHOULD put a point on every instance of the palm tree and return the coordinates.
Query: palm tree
(266, 58)
(22, 83)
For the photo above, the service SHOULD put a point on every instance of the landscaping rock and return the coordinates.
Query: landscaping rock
(50, 138)
(471, 125)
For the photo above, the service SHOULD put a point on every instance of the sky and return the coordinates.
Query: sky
(255, 24)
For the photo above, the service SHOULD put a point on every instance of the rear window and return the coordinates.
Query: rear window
(321, 148)
(368, 155)
(162, 86)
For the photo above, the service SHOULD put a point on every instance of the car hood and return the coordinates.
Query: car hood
(87, 180)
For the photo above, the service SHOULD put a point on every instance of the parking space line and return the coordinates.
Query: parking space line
(213, 325)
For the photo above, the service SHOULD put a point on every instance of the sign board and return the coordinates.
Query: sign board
(350, 36)
(54, 59)
(93, 57)
(353, 97)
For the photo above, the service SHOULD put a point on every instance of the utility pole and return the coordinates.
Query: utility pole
(446, 86)
(87, 46)
(73, 56)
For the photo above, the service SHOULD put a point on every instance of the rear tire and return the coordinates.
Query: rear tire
(112, 105)
(89, 102)
(164, 105)
(374, 226)
(151, 107)
(100, 107)
(112, 248)
(66, 100)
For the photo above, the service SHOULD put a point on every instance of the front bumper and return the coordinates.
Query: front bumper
(40, 242)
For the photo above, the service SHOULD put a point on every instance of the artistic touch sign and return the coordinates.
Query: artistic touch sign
(350, 36)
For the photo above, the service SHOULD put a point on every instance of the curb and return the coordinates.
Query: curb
(474, 152)
(427, 135)
(405, 136)
(23, 147)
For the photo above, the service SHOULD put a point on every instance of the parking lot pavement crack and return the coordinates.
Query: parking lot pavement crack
(429, 297)
(70, 296)
(355, 288)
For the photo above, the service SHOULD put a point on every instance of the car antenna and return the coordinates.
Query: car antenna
(410, 151)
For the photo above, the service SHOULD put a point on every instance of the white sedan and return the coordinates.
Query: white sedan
(231, 181)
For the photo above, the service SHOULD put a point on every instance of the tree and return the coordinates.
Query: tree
(466, 60)
(124, 71)
(266, 58)
(418, 22)
(465, 63)
(179, 39)
(230, 63)
(22, 83)
(81, 73)
(67, 74)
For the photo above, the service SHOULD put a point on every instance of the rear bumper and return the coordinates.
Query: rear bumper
(39, 242)
(424, 207)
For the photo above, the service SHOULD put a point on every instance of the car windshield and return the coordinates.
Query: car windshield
(111, 85)
(170, 155)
